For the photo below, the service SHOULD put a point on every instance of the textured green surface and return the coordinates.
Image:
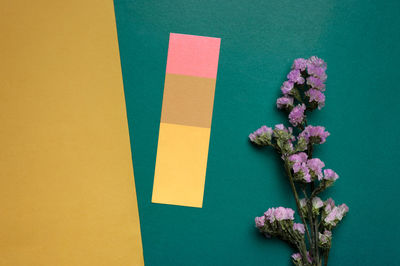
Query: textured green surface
(360, 42)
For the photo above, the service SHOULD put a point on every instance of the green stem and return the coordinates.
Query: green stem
(296, 196)
(316, 235)
(313, 222)
(326, 256)
(303, 251)
(314, 228)
(313, 246)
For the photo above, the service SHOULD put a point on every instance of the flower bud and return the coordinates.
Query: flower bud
(261, 136)
(324, 240)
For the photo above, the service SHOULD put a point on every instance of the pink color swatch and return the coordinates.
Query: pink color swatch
(193, 55)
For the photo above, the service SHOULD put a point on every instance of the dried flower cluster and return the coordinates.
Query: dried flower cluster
(303, 92)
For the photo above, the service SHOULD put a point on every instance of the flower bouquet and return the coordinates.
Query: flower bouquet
(303, 93)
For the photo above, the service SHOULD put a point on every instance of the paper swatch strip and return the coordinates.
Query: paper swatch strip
(186, 120)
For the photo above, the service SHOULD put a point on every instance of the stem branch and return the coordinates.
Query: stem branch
(296, 196)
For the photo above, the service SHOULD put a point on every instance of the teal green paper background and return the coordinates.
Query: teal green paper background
(359, 39)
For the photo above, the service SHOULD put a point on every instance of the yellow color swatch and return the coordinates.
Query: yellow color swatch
(181, 165)
(67, 194)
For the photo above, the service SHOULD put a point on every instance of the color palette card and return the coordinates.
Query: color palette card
(186, 120)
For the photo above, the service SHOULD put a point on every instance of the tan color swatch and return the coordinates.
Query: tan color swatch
(67, 193)
(188, 100)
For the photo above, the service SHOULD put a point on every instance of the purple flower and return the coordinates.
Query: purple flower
(296, 116)
(282, 213)
(269, 215)
(316, 166)
(253, 137)
(316, 96)
(325, 238)
(331, 217)
(302, 171)
(261, 136)
(317, 72)
(300, 166)
(336, 214)
(317, 203)
(329, 205)
(299, 64)
(300, 157)
(281, 127)
(263, 130)
(284, 102)
(279, 214)
(289, 214)
(287, 87)
(316, 83)
(260, 222)
(316, 67)
(296, 257)
(342, 210)
(299, 227)
(315, 134)
(316, 61)
(329, 174)
(295, 76)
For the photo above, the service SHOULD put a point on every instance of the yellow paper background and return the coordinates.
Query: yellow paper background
(67, 194)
